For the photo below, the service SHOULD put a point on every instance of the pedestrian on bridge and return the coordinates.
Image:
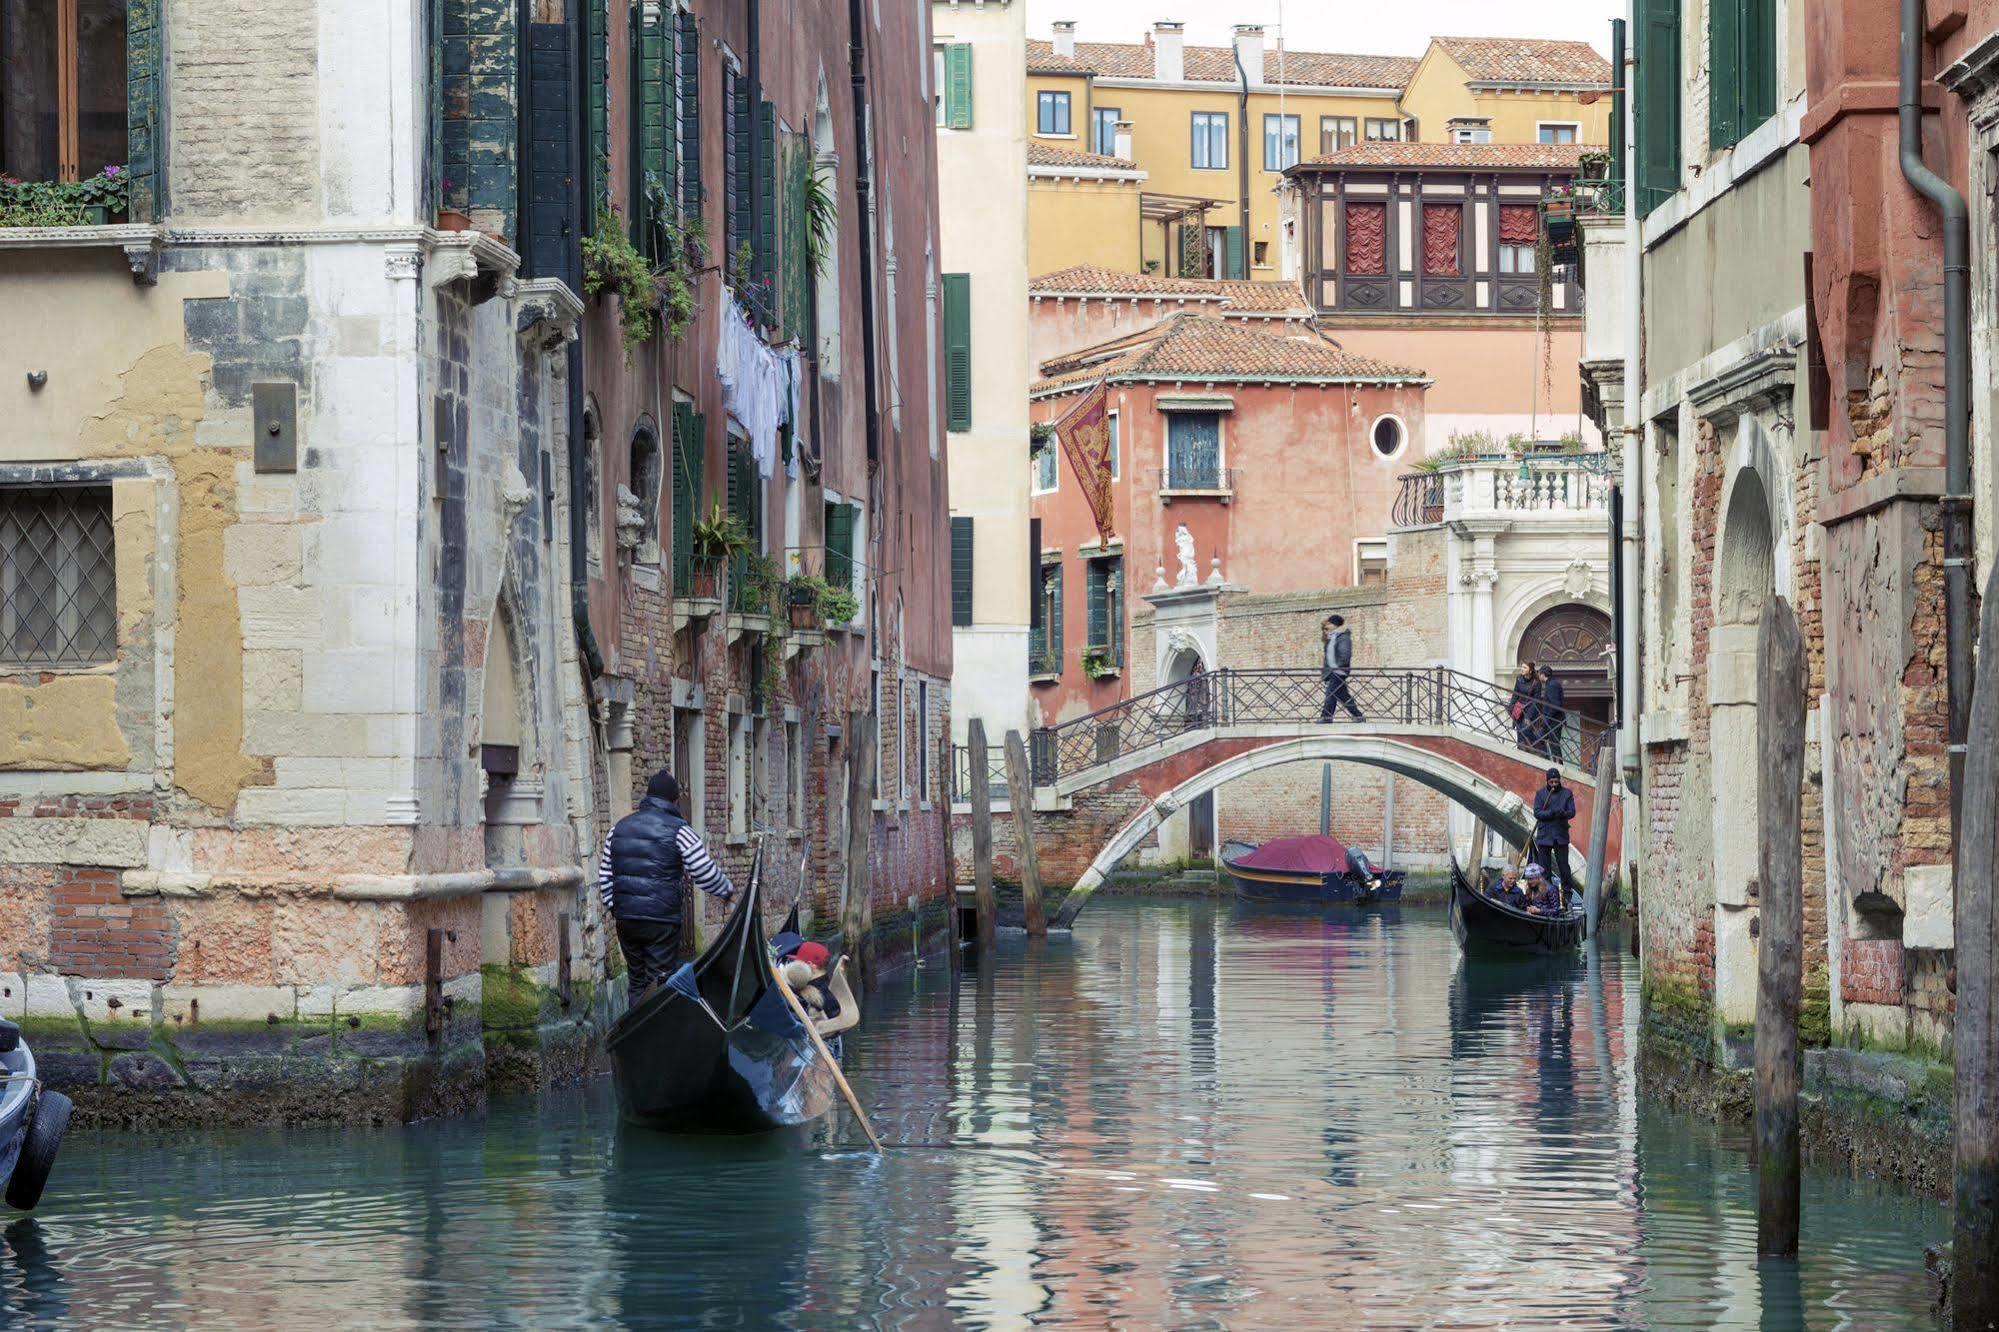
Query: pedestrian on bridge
(1554, 808)
(1554, 714)
(1524, 706)
(1338, 665)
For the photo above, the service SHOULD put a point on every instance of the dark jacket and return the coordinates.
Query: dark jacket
(1553, 713)
(647, 878)
(1552, 812)
(1339, 655)
(1526, 697)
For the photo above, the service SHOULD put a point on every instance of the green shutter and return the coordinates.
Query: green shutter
(957, 351)
(1097, 602)
(1236, 269)
(1054, 638)
(688, 87)
(435, 10)
(840, 544)
(961, 571)
(1724, 86)
(1759, 63)
(958, 85)
(797, 266)
(766, 204)
(746, 507)
(142, 107)
(1114, 594)
(651, 88)
(687, 460)
(597, 49)
(1657, 103)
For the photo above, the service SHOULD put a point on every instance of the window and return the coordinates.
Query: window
(746, 506)
(1103, 130)
(58, 593)
(589, 488)
(1370, 562)
(1262, 251)
(1337, 132)
(1045, 469)
(796, 760)
(689, 459)
(841, 520)
(736, 129)
(63, 115)
(645, 478)
(1560, 132)
(1742, 68)
(1366, 237)
(1044, 641)
(739, 776)
(1211, 140)
(1383, 131)
(957, 351)
(1656, 103)
(961, 571)
(1105, 577)
(1474, 134)
(937, 73)
(1194, 451)
(1443, 227)
(1519, 230)
(651, 99)
(1516, 258)
(687, 95)
(1389, 435)
(1052, 113)
(1280, 142)
(923, 741)
(954, 86)
(1115, 463)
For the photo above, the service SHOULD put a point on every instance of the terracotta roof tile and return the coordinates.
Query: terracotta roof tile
(1216, 64)
(1527, 60)
(1468, 156)
(1090, 280)
(1201, 347)
(1040, 154)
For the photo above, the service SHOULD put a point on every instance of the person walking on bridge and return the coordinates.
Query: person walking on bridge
(1336, 667)
(642, 873)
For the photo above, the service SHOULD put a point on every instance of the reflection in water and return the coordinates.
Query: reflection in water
(1188, 1116)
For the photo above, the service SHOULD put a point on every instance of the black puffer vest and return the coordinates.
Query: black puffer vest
(646, 874)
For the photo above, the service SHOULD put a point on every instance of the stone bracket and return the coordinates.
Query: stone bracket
(547, 312)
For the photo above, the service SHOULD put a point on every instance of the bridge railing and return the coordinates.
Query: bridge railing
(1420, 696)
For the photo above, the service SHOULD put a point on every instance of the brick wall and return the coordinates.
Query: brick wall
(244, 101)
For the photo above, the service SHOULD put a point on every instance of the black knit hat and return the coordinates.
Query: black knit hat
(1552, 772)
(664, 787)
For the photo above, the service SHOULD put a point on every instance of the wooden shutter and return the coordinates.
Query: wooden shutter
(687, 459)
(597, 49)
(548, 230)
(143, 44)
(1724, 87)
(1114, 596)
(961, 571)
(767, 204)
(957, 351)
(650, 85)
(797, 245)
(1657, 103)
(958, 85)
(688, 87)
(1054, 631)
(840, 544)
(1096, 587)
(1034, 574)
(1759, 63)
(1236, 269)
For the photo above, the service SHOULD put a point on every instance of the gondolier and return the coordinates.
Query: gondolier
(647, 860)
(1554, 809)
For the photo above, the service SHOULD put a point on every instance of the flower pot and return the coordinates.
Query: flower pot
(705, 585)
(804, 616)
(96, 216)
(450, 219)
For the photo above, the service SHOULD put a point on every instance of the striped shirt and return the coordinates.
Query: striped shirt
(696, 864)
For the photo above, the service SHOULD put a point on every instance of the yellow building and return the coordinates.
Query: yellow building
(1141, 155)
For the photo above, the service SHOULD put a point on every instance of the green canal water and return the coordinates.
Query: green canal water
(1187, 1116)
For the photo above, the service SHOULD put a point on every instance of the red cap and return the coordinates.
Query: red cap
(813, 954)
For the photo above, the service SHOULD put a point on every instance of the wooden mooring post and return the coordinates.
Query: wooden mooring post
(1780, 976)
(982, 832)
(1020, 794)
(857, 915)
(1599, 835)
(1974, 1284)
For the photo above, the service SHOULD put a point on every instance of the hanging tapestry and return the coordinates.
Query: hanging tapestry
(1367, 238)
(1441, 225)
(1519, 224)
(1085, 432)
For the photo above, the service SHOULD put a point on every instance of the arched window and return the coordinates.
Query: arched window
(645, 474)
(589, 488)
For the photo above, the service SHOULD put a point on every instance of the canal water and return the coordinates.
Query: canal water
(1190, 1115)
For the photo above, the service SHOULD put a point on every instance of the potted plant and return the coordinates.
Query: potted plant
(802, 596)
(838, 606)
(714, 540)
(1097, 663)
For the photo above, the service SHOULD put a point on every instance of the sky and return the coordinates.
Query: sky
(1372, 27)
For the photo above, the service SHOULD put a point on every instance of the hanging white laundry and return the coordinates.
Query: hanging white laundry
(753, 386)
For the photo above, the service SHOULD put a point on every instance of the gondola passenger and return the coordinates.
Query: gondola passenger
(828, 1000)
(1544, 895)
(1509, 890)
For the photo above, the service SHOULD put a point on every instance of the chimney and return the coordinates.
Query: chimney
(1065, 38)
(1249, 49)
(1121, 139)
(1168, 61)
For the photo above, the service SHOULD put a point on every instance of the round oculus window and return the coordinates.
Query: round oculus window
(1389, 436)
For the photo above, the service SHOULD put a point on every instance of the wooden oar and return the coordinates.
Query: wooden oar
(853, 1101)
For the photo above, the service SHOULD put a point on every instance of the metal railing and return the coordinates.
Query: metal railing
(1410, 696)
(961, 772)
(1419, 501)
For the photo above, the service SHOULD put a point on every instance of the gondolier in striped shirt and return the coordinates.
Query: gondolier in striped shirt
(642, 873)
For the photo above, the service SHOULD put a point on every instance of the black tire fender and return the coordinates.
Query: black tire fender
(39, 1144)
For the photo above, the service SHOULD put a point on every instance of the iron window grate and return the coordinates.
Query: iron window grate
(58, 595)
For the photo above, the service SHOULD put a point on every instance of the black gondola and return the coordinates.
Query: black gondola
(715, 1048)
(1483, 925)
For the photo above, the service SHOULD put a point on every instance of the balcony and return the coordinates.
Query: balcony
(1550, 487)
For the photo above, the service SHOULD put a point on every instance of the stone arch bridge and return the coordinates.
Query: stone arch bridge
(1132, 765)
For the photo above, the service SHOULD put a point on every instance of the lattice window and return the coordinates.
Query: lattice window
(1194, 451)
(58, 593)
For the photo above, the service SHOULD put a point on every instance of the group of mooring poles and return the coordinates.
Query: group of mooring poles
(1020, 795)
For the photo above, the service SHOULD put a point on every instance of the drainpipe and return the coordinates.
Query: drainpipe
(857, 70)
(1242, 160)
(579, 554)
(1630, 673)
(1956, 502)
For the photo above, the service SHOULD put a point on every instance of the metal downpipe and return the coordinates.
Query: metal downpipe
(1956, 503)
(1631, 677)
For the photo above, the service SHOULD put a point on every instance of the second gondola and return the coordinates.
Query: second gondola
(1307, 869)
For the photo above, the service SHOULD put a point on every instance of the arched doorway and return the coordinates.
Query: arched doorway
(1197, 709)
(1570, 640)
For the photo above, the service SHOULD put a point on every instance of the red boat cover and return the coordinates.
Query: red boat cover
(1304, 855)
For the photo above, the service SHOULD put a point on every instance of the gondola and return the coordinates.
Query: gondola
(1305, 869)
(715, 1049)
(32, 1122)
(1485, 926)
